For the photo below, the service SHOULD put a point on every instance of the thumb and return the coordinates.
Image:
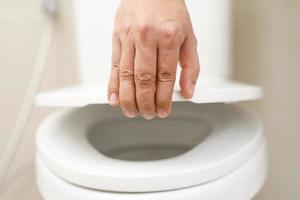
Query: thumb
(189, 62)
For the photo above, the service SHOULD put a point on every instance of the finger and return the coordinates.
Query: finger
(113, 86)
(145, 79)
(127, 86)
(189, 62)
(166, 76)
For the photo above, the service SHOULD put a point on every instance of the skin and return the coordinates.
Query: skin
(150, 38)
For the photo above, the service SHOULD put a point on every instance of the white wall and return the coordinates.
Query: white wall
(20, 28)
(21, 24)
(267, 49)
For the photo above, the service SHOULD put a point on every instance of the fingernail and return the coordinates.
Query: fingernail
(163, 113)
(113, 100)
(131, 114)
(148, 116)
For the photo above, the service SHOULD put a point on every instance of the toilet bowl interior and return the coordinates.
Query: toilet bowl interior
(97, 147)
(140, 140)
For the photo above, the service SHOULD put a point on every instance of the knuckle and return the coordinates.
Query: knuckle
(196, 70)
(126, 28)
(126, 74)
(166, 76)
(143, 29)
(115, 67)
(145, 79)
(170, 32)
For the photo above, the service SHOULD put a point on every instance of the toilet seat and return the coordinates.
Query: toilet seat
(235, 135)
(241, 184)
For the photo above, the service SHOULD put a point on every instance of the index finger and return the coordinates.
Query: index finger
(113, 86)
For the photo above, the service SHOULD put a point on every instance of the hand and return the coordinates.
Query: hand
(150, 38)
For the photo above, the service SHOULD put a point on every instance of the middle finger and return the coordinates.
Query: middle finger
(145, 79)
(127, 88)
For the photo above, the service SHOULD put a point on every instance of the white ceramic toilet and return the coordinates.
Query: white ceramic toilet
(207, 149)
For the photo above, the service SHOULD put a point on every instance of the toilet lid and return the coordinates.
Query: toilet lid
(206, 91)
(62, 141)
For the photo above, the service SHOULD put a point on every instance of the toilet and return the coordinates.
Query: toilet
(209, 148)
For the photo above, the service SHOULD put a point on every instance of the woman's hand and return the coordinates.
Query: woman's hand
(150, 38)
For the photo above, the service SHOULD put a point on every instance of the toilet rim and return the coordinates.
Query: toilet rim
(88, 168)
(244, 183)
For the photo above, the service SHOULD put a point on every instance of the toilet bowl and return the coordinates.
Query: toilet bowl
(209, 148)
(212, 151)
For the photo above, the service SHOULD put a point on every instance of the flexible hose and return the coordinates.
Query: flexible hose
(28, 103)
